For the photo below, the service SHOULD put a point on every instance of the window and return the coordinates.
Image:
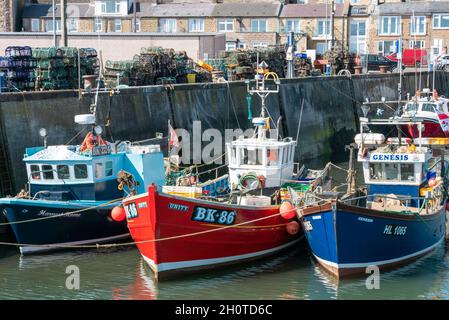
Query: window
(389, 25)
(407, 172)
(98, 170)
(226, 25)
(47, 172)
(118, 25)
(386, 47)
(260, 44)
(80, 171)
(251, 156)
(230, 46)
(258, 25)
(35, 25)
(321, 48)
(375, 171)
(428, 107)
(418, 44)
(292, 25)
(273, 157)
(358, 28)
(73, 24)
(196, 25)
(108, 169)
(441, 21)
(63, 171)
(49, 25)
(136, 24)
(110, 6)
(98, 25)
(35, 172)
(418, 25)
(391, 171)
(323, 27)
(167, 25)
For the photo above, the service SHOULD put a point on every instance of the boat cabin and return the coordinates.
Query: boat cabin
(64, 173)
(270, 160)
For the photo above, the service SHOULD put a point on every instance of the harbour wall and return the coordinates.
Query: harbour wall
(330, 109)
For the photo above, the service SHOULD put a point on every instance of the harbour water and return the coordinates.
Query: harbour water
(120, 273)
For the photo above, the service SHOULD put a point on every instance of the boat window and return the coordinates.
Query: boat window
(287, 154)
(47, 172)
(273, 157)
(63, 171)
(98, 170)
(35, 172)
(252, 156)
(391, 171)
(80, 171)
(411, 107)
(232, 160)
(375, 171)
(407, 172)
(108, 169)
(429, 107)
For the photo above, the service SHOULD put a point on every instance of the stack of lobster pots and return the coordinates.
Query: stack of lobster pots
(17, 69)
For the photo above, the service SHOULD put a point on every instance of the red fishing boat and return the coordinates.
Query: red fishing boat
(183, 228)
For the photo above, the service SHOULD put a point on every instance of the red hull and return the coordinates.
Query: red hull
(161, 216)
(431, 130)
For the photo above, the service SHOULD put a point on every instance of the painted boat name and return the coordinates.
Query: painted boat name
(178, 207)
(45, 213)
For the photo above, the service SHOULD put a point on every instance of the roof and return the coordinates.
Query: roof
(57, 153)
(175, 10)
(262, 9)
(418, 8)
(358, 10)
(310, 10)
(46, 10)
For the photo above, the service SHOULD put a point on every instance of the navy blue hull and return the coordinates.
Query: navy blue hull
(346, 239)
(87, 227)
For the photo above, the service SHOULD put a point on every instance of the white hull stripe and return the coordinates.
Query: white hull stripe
(376, 263)
(37, 248)
(204, 262)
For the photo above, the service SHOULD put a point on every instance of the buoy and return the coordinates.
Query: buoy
(293, 227)
(287, 210)
(432, 183)
(447, 206)
(118, 214)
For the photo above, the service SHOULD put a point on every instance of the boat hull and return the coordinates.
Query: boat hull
(191, 244)
(432, 129)
(43, 235)
(346, 240)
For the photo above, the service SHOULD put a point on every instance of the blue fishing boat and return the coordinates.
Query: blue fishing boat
(73, 189)
(399, 216)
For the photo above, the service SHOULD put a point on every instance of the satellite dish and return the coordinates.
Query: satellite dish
(85, 119)
(43, 132)
(98, 130)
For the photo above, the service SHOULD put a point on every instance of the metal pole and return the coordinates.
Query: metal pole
(332, 25)
(55, 42)
(63, 23)
(134, 16)
(325, 26)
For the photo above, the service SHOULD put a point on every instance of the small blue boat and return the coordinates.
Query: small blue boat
(72, 190)
(399, 217)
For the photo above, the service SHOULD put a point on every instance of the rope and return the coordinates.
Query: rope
(62, 214)
(111, 245)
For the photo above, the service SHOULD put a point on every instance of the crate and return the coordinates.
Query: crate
(188, 192)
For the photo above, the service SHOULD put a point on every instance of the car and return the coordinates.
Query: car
(372, 62)
(411, 57)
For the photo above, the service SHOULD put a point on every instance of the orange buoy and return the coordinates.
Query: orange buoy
(118, 214)
(293, 227)
(287, 210)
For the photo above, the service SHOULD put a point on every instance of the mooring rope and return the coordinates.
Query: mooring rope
(123, 244)
(63, 214)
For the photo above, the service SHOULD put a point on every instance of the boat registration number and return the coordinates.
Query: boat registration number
(131, 211)
(395, 230)
(216, 216)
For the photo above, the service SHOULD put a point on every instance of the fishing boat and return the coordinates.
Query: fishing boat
(73, 190)
(431, 110)
(181, 229)
(399, 217)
